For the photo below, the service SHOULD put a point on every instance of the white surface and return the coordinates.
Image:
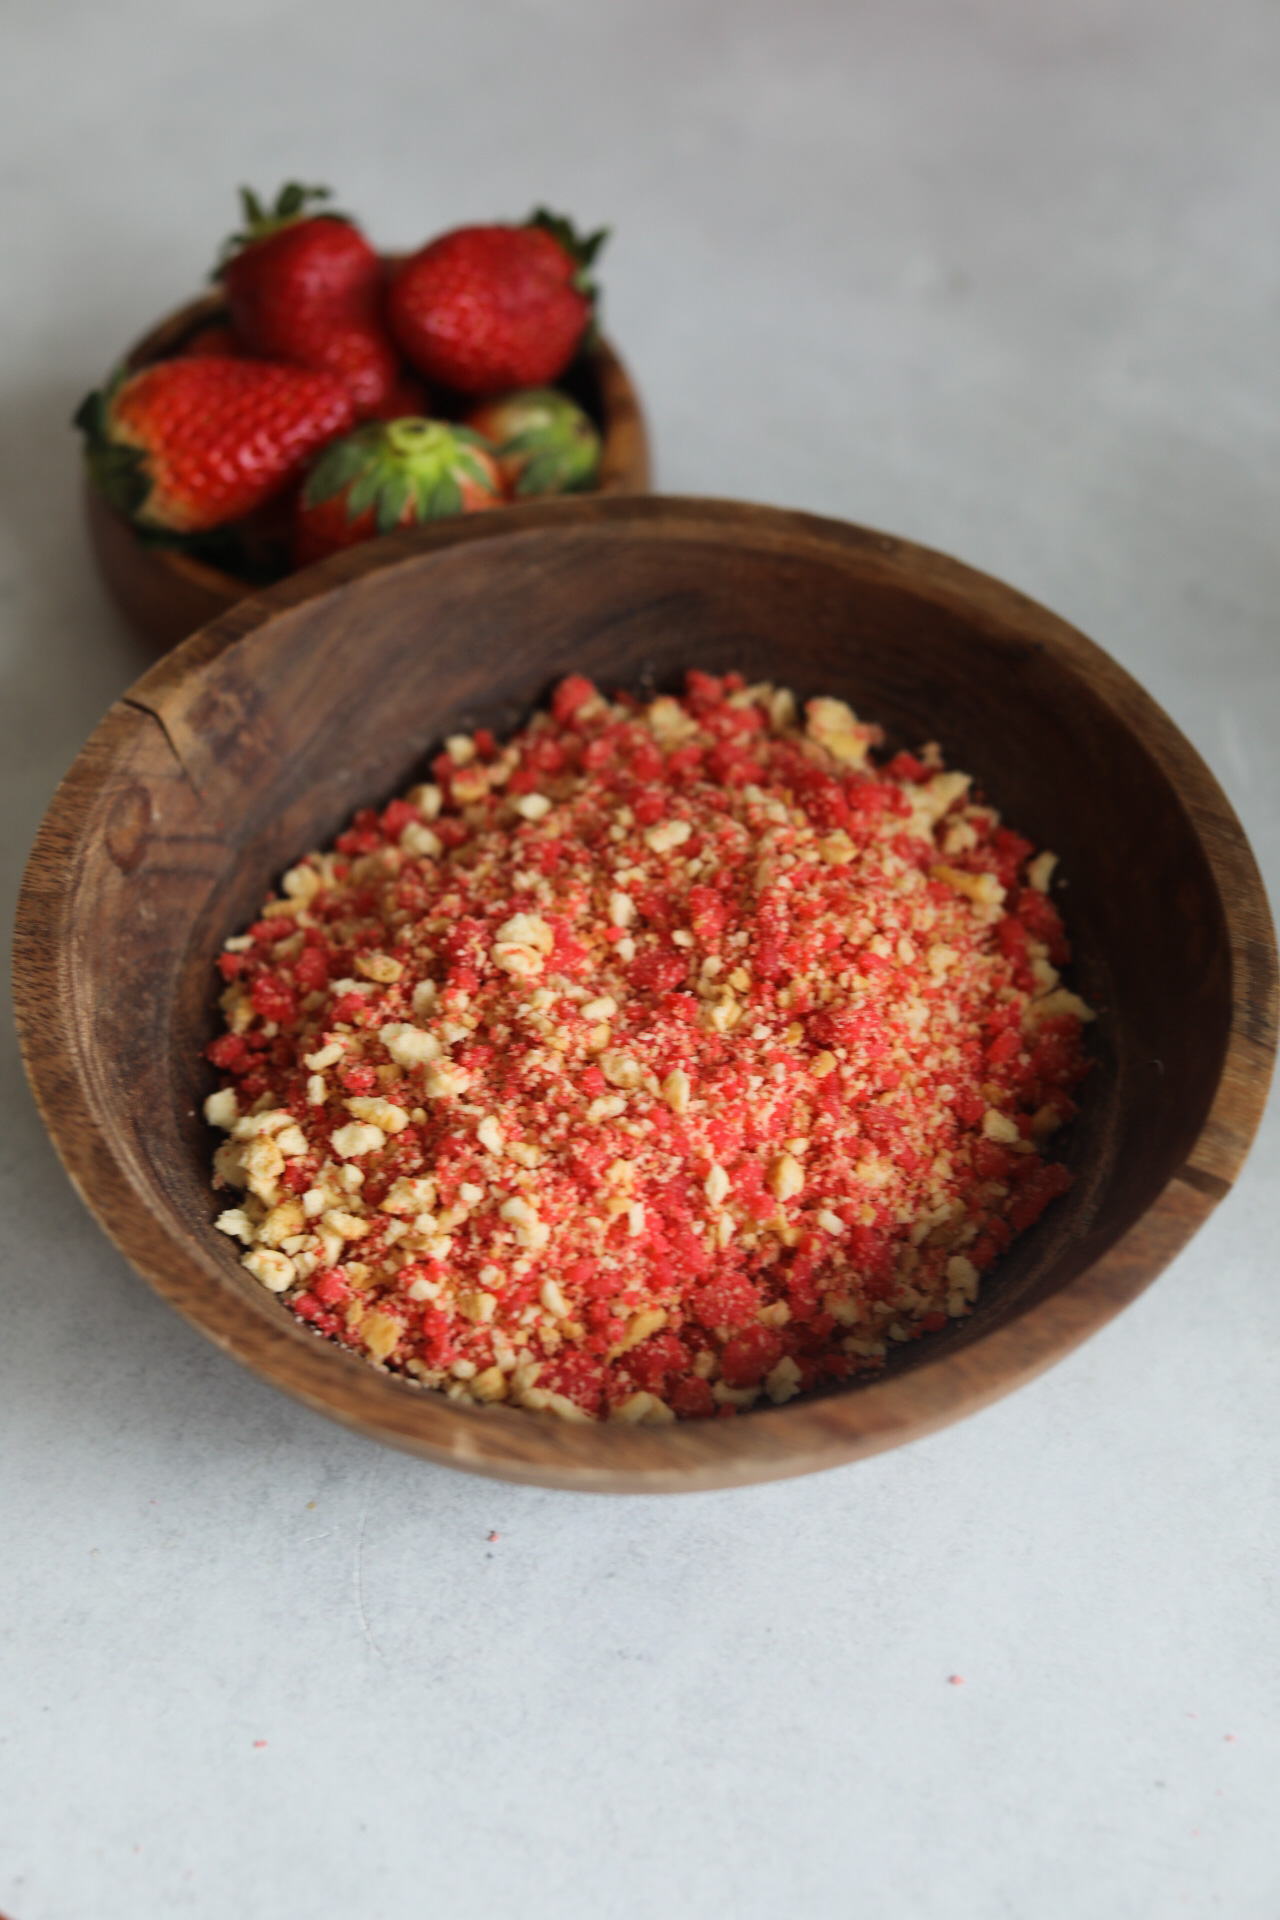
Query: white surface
(1000, 277)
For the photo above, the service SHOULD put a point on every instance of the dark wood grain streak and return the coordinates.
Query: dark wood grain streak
(257, 738)
(165, 596)
(1211, 1183)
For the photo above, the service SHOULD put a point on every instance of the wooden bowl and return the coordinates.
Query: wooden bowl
(166, 595)
(259, 736)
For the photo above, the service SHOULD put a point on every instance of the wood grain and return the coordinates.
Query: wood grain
(257, 738)
(165, 596)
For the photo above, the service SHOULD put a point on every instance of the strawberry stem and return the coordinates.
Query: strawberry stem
(294, 202)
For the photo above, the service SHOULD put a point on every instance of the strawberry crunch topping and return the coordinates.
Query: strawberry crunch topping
(671, 1055)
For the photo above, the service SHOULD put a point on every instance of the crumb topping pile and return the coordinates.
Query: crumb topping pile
(668, 1056)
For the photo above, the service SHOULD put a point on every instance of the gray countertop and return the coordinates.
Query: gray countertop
(1002, 278)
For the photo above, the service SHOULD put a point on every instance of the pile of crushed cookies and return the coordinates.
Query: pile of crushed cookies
(670, 1055)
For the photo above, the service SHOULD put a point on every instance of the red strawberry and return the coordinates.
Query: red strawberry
(307, 288)
(216, 339)
(391, 475)
(192, 443)
(483, 309)
(543, 442)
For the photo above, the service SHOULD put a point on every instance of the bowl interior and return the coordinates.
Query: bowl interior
(250, 750)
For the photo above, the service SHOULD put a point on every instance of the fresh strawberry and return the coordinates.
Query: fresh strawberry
(191, 443)
(391, 475)
(307, 288)
(543, 443)
(216, 339)
(484, 309)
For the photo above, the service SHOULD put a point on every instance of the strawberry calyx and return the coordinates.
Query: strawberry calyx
(542, 438)
(293, 203)
(387, 466)
(582, 248)
(119, 472)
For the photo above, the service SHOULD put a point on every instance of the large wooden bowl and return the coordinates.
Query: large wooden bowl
(166, 595)
(257, 738)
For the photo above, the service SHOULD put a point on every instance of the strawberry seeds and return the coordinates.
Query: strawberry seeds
(671, 1055)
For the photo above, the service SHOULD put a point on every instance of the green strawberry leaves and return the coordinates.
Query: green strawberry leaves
(367, 489)
(582, 248)
(390, 499)
(437, 499)
(119, 473)
(338, 466)
(294, 202)
(385, 467)
(554, 472)
(548, 439)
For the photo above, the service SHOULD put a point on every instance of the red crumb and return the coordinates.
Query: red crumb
(955, 1679)
(494, 1536)
(259, 1743)
(666, 1057)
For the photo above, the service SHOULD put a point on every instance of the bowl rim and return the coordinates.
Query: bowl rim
(771, 1443)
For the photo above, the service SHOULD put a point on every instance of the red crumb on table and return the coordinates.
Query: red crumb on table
(493, 1536)
(955, 1679)
(259, 1743)
(672, 1055)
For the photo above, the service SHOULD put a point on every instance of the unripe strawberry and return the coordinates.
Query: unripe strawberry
(542, 442)
(391, 475)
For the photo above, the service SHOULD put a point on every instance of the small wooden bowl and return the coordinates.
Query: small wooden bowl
(166, 595)
(259, 736)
